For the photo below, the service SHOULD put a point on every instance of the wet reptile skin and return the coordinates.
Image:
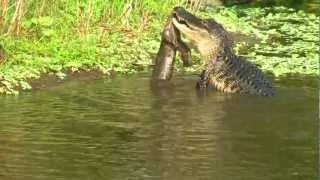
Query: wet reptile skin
(165, 59)
(223, 69)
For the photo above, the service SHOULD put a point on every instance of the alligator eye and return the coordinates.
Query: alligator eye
(175, 16)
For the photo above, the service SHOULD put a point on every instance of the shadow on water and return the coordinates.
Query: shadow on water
(128, 128)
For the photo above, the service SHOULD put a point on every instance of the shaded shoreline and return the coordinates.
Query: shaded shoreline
(47, 81)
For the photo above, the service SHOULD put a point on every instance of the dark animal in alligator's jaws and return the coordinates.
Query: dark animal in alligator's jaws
(170, 43)
(223, 69)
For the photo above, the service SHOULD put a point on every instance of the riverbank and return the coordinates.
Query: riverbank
(287, 43)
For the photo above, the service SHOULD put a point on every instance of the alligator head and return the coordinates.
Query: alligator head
(207, 35)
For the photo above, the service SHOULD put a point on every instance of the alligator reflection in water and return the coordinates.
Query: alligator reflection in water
(123, 130)
(186, 129)
(214, 136)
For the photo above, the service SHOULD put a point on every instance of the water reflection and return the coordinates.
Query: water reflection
(126, 130)
(187, 145)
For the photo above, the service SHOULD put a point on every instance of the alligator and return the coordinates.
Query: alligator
(223, 69)
(170, 43)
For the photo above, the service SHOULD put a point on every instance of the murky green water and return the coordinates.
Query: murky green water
(124, 129)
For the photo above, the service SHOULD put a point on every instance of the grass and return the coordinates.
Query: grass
(122, 36)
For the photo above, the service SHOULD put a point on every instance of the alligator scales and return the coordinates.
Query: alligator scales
(223, 69)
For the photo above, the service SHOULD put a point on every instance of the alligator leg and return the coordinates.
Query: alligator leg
(203, 82)
(211, 67)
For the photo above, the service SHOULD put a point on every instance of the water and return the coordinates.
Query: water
(124, 129)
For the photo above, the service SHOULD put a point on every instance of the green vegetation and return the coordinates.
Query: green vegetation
(53, 37)
(288, 39)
